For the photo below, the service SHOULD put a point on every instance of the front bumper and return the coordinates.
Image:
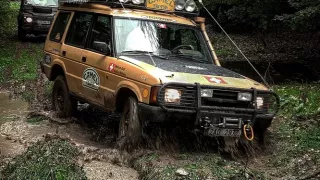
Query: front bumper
(39, 25)
(205, 114)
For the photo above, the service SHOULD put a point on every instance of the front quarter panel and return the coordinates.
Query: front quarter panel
(125, 74)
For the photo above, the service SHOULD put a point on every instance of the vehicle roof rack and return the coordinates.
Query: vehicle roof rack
(127, 4)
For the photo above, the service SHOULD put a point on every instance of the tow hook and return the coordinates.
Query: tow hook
(248, 132)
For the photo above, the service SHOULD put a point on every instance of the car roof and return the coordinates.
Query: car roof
(129, 13)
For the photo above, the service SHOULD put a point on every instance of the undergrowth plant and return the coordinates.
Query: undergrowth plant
(49, 159)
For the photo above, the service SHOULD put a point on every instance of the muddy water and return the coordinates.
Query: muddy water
(10, 110)
(97, 158)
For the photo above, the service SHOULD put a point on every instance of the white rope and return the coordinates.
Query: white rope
(264, 81)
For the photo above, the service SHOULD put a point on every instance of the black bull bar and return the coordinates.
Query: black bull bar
(201, 110)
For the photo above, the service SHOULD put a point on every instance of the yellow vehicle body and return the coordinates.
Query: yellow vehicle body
(107, 80)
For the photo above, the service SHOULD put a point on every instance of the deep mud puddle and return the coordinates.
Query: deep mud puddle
(18, 132)
(10, 110)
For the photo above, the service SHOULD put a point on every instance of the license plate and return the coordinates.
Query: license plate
(162, 5)
(213, 132)
(44, 22)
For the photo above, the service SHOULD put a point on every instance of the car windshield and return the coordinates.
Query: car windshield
(53, 3)
(170, 41)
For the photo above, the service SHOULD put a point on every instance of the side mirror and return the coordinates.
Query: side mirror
(101, 47)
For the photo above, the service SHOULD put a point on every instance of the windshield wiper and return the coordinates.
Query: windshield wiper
(138, 52)
(188, 58)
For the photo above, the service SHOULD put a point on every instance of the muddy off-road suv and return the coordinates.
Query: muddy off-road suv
(35, 17)
(152, 61)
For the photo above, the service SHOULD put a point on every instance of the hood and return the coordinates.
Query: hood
(192, 72)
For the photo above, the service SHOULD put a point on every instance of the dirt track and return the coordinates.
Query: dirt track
(97, 158)
(94, 136)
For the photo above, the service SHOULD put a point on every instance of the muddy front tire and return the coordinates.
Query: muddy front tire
(130, 126)
(62, 102)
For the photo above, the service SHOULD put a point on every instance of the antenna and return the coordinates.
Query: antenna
(264, 81)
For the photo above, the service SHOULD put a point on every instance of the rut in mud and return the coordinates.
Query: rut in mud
(168, 146)
(98, 158)
(93, 132)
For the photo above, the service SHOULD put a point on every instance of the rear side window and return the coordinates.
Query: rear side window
(78, 30)
(100, 40)
(59, 26)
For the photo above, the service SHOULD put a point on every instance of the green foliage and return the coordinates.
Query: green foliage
(305, 17)
(8, 19)
(28, 96)
(309, 138)
(36, 120)
(296, 140)
(298, 100)
(298, 132)
(52, 159)
(19, 62)
(198, 166)
(266, 14)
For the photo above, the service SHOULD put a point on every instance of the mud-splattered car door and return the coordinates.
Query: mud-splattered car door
(73, 49)
(98, 53)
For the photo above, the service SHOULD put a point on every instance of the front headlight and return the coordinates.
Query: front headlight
(172, 96)
(137, 1)
(29, 19)
(206, 92)
(180, 4)
(123, 1)
(190, 6)
(244, 96)
(259, 102)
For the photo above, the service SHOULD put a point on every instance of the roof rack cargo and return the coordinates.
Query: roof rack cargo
(187, 8)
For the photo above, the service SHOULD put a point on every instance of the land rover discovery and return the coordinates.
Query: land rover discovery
(150, 65)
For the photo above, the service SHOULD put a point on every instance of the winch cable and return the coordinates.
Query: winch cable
(154, 63)
(214, 19)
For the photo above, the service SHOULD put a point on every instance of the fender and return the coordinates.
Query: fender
(133, 87)
(60, 63)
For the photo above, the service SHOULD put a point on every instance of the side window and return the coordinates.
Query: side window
(59, 26)
(78, 29)
(101, 35)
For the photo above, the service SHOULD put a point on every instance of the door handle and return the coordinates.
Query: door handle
(64, 53)
(84, 59)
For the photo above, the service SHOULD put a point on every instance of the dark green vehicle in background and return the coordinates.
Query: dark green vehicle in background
(35, 17)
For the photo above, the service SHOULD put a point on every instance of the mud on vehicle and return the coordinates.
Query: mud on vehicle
(151, 61)
(35, 17)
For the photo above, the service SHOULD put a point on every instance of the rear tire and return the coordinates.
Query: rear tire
(62, 102)
(130, 126)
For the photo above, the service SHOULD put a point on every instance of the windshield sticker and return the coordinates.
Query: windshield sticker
(116, 69)
(159, 18)
(162, 26)
(91, 79)
(196, 67)
(216, 80)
